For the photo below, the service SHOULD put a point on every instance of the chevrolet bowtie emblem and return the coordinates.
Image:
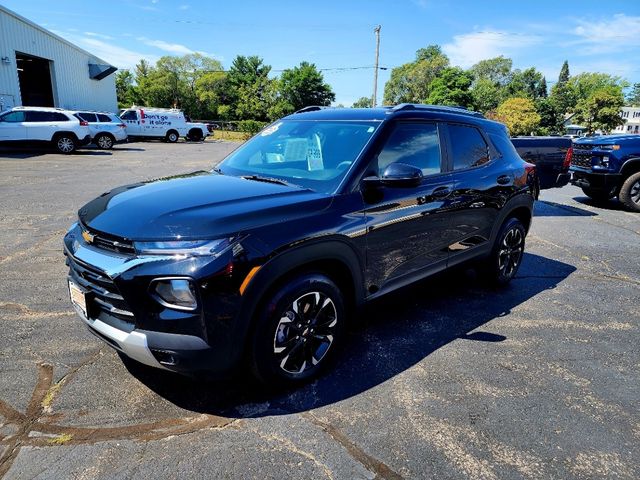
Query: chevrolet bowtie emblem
(87, 236)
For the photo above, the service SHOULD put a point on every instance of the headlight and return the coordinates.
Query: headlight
(609, 147)
(176, 293)
(195, 248)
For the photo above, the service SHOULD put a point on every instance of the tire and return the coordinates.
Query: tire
(630, 192)
(299, 327)
(65, 143)
(507, 253)
(598, 195)
(104, 141)
(172, 136)
(195, 135)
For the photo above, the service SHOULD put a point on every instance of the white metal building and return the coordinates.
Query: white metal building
(38, 68)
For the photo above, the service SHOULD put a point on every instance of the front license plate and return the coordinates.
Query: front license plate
(77, 297)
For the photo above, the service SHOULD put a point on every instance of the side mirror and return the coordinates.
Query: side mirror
(401, 175)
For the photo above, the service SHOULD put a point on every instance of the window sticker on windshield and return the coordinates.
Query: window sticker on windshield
(370, 130)
(269, 130)
(314, 153)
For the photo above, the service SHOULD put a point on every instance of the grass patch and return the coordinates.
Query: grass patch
(228, 135)
(61, 439)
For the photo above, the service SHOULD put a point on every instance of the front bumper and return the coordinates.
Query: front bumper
(598, 181)
(121, 312)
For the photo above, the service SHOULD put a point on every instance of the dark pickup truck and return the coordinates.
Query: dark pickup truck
(550, 155)
(608, 166)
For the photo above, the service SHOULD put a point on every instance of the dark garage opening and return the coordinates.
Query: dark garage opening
(35, 81)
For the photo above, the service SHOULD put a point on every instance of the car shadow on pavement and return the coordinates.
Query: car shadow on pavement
(612, 204)
(395, 333)
(545, 208)
(29, 153)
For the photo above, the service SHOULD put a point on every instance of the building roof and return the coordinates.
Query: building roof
(49, 33)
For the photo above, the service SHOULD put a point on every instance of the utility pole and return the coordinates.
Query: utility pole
(374, 98)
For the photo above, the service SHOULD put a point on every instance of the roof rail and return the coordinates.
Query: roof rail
(436, 108)
(310, 108)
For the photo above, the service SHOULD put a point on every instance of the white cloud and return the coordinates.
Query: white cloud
(175, 48)
(469, 48)
(98, 35)
(619, 32)
(184, 7)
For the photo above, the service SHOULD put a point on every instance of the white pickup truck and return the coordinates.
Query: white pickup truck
(167, 123)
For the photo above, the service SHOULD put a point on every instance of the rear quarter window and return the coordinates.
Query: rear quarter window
(503, 145)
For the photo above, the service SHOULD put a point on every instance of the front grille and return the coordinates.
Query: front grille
(580, 159)
(113, 244)
(104, 301)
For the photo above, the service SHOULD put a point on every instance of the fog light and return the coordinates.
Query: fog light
(176, 293)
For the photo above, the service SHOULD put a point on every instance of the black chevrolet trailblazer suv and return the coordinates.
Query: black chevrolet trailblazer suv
(268, 257)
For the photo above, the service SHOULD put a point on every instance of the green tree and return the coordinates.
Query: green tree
(411, 82)
(563, 77)
(249, 88)
(304, 85)
(633, 97)
(585, 84)
(126, 91)
(551, 118)
(362, 102)
(496, 70)
(562, 94)
(601, 110)
(527, 83)
(486, 94)
(451, 87)
(519, 115)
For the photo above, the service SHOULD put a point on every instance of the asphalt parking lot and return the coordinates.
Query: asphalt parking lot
(445, 379)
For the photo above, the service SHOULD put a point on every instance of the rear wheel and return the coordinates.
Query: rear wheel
(195, 135)
(104, 141)
(598, 195)
(299, 327)
(630, 192)
(506, 255)
(65, 143)
(172, 136)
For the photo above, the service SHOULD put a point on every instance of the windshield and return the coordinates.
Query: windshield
(313, 154)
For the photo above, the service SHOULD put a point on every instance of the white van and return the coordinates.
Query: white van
(167, 123)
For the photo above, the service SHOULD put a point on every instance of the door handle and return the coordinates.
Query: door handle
(503, 179)
(441, 192)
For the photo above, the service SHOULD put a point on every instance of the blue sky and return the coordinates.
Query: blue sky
(593, 35)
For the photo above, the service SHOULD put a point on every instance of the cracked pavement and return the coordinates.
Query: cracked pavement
(445, 379)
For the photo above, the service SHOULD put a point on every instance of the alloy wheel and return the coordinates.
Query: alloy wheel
(65, 145)
(105, 142)
(635, 192)
(511, 251)
(305, 332)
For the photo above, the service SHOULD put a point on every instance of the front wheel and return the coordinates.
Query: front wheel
(506, 256)
(299, 327)
(65, 144)
(598, 195)
(195, 135)
(630, 192)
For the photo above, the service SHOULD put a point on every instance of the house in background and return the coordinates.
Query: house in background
(631, 116)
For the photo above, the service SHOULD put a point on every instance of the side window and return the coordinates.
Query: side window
(87, 117)
(104, 118)
(416, 144)
(468, 147)
(130, 115)
(36, 116)
(59, 117)
(13, 117)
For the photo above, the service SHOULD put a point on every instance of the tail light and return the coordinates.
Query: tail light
(567, 158)
(84, 123)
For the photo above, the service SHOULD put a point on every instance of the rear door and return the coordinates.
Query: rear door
(12, 127)
(407, 227)
(479, 182)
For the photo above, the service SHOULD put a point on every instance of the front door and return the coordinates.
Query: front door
(131, 119)
(407, 227)
(12, 127)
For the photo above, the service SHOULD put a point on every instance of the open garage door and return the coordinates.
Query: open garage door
(35, 81)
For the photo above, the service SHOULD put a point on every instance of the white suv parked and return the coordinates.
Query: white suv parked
(106, 128)
(33, 125)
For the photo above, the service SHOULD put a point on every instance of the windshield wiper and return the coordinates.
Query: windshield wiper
(259, 178)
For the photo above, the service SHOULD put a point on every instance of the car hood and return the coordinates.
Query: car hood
(197, 206)
(606, 140)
